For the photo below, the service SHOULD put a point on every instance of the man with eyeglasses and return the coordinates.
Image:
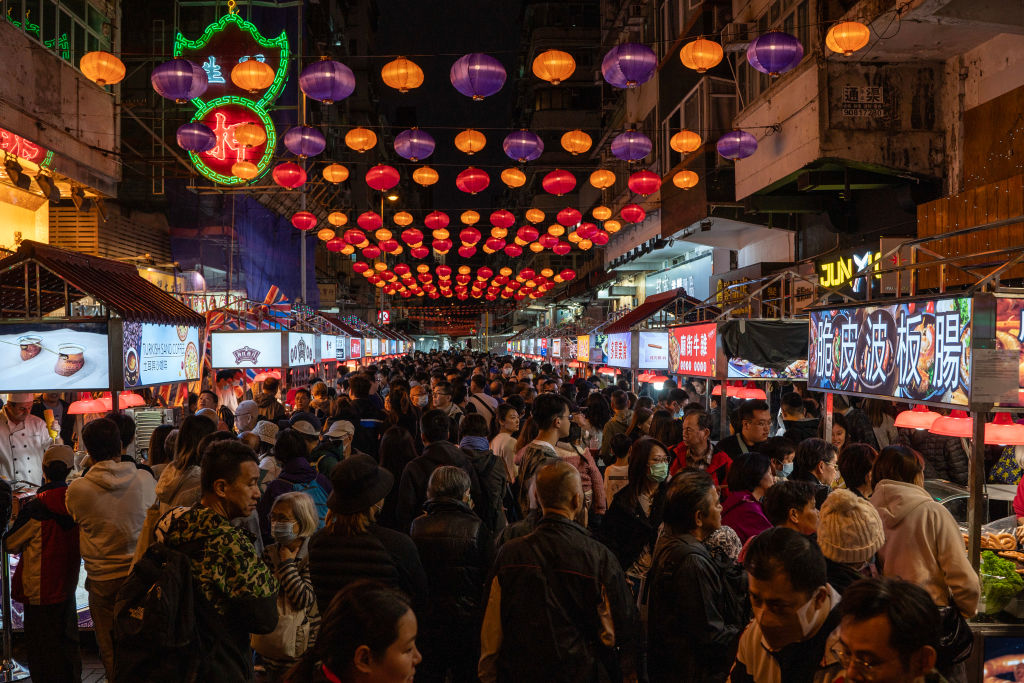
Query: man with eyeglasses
(756, 422)
(23, 440)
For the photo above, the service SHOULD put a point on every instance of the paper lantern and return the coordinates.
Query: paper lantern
(469, 236)
(414, 144)
(612, 226)
(644, 182)
(470, 141)
(335, 173)
(601, 213)
(701, 54)
(289, 175)
(502, 218)
(628, 65)
(361, 139)
(179, 80)
(600, 238)
(246, 170)
(325, 234)
(737, 144)
(505, 272)
(419, 252)
(252, 75)
(472, 180)
(412, 237)
(559, 182)
(382, 177)
(602, 179)
(562, 248)
(465, 270)
(536, 247)
(337, 244)
(514, 251)
(360, 267)
(775, 52)
(522, 146)
(402, 219)
(337, 218)
(102, 68)
(369, 221)
(631, 213)
(304, 141)
(466, 251)
(304, 220)
(547, 241)
(355, 237)
(513, 177)
(576, 142)
(684, 180)
(327, 81)
(534, 215)
(389, 246)
(527, 233)
(685, 141)
(382, 235)
(568, 216)
(402, 74)
(957, 423)
(631, 145)
(494, 243)
(556, 230)
(401, 269)
(554, 66)
(847, 37)
(585, 244)
(477, 75)
(425, 176)
(436, 220)
(586, 230)
(442, 246)
(195, 137)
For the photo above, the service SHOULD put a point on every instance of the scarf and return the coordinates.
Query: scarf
(476, 443)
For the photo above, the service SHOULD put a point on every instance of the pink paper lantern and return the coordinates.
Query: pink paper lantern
(355, 237)
(289, 175)
(466, 251)
(600, 238)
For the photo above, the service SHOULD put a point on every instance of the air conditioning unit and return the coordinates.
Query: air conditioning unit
(737, 36)
(636, 14)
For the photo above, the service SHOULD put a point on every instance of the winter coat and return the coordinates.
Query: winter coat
(174, 488)
(718, 468)
(944, 456)
(617, 425)
(412, 489)
(859, 428)
(326, 455)
(295, 471)
(269, 408)
(744, 515)
(490, 470)
(369, 423)
(821, 491)
(886, 433)
(626, 529)
(923, 545)
(590, 476)
(798, 430)
(47, 539)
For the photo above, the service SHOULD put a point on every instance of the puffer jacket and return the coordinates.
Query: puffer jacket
(944, 456)
(47, 539)
(456, 552)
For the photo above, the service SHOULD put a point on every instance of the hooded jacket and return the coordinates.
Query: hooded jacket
(109, 505)
(412, 490)
(798, 430)
(490, 470)
(923, 545)
(270, 408)
(617, 425)
(295, 471)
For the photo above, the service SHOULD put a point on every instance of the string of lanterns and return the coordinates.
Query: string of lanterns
(400, 280)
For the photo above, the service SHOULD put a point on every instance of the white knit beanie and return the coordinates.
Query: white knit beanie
(849, 528)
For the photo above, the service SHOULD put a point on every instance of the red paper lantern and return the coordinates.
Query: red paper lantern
(494, 243)
(462, 279)
(372, 251)
(401, 269)
(502, 219)
(472, 180)
(562, 248)
(424, 278)
(559, 182)
(527, 233)
(600, 238)
(419, 252)
(436, 220)
(289, 175)
(469, 236)
(631, 213)
(548, 241)
(355, 237)
(568, 274)
(527, 274)
(442, 246)
(370, 221)
(412, 236)
(484, 273)
(304, 220)
(586, 230)
(644, 182)
(568, 216)
(514, 250)
(389, 246)
(360, 266)
(444, 271)
(382, 177)
(336, 244)
(466, 251)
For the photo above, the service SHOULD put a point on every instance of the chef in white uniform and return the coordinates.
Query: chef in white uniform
(23, 440)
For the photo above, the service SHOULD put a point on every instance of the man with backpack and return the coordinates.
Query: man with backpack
(489, 469)
(214, 589)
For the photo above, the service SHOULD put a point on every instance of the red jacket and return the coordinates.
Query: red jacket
(718, 468)
(47, 539)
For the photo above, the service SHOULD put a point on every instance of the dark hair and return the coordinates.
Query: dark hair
(913, 617)
(637, 467)
(359, 385)
(290, 445)
(397, 449)
(186, 449)
(56, 470)
(574, 435)
(876, 410)
(669, 432)
(703, 419)
(660, 417)
(474, 424)
(271, 385)
(597, 411)
(223, 460)
(810, 452)
(102, 439)
(838, 420)
(785, 496)
(747, 471)
(776, 448)
(435, 425)
(503, 410)
(400, 403)
(219, 435)
(528, 431)
(226, 416)
(677, 395)
(748, 409)
(793, 402)
(855, 462)
(620, 400)
(621, 445)
(479, 382)
(640, 415)
(642, 402)
(459, 393)
(898, 463)
(157, 454)
(686, 496)
(782, 549)
(547, 407)
(216, 398)
(125, 426)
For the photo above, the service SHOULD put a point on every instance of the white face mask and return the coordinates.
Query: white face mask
(423, 400)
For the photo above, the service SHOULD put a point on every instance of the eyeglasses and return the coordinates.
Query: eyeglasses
(847, 658)
(761, 423)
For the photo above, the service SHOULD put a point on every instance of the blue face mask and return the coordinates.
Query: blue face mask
(787, 469)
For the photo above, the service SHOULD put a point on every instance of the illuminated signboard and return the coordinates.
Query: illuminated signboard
(246, 349)
(224, 106)
(329, 347)
(12, 143)
(355, 348)
(654, 350)
(691, 350)
(303, 349)
(384, 317)
(341, 348)
(54, 357)
(583, 348)
(1010, 332)
(157, 354)
(618, 349)
(543, 346)
(556, 348)
(919, 351)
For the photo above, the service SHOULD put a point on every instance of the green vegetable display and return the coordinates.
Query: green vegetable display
(999, 581)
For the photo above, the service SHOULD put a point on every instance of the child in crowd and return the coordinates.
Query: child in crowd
(616, 475)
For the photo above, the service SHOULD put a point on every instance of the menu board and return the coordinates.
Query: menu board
(619, 349)
(583, 348)
(159, 354)
(368, 347)
(654, 350)
(341, 348)
(328, 347)
(246, 349)
(569, 346)
(303, 349)
(355, 348)
(530, 346)
(556, 348)
(54, 357)
(692, 350)
(919, 351)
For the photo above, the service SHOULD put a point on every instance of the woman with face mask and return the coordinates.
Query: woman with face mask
(293, 520)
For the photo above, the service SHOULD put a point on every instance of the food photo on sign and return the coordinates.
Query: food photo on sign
(654, 350)
(764, 349)
(159, 354)
(52, 357)
(1010, 331)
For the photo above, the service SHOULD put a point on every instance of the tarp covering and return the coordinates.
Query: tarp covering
(773, 344)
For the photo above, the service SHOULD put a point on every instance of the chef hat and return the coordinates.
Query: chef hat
(20, 397)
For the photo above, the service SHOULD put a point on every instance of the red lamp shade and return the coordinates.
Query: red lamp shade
(586, 231)
(1003, 431)
(382, 177)
(369, 221)
(568, 274)
(466, 251)
(354, 237)
(412, 236)
(527, 233)
(472, 180)
(631, 213)
(289, 175)
(419, 252)
(436, 220)
(502, 219)
(87, 406)
(957, 423)
(360, 267)
(562, 248)
(372, 251)
(644, 182)
(336, 245)
(304, 220)
(494, 243)
(548, 241)
(918, 418)
(559, 182)
(568, 216)
(608, 371)
(469, 236)
(600, 238)
(645, 377)
(514, 250)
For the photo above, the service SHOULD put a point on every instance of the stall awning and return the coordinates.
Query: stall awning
(649, 307)
(68, 275)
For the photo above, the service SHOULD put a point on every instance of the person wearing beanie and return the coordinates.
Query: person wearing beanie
(849, 534)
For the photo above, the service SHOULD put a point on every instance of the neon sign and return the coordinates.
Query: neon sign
(224, 106)
(835, 273)
(22, 148)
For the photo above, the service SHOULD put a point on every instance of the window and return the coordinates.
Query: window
(708, 109)
(69, 28)
(791, 16)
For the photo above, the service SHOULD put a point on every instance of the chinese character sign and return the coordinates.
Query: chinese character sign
(583, 348)
(692, 350)
(618, 349)
(654, 350)
(918, 351)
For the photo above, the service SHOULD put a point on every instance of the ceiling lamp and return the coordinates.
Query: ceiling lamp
(414, 144)
(246, 170)
(534, 215)
(249, 134)
(304, 220)
(612, 226)
(337, 218)
(382, 177)
(327, 81)
(554, 66)
(425, 176)
(559, 182)
(102, 68)
(472, 180)
(304, 141)
(470, 141)
(631, 145)
(737, 144)
(289, 175)
(513, 177)
(361, 139)
(477, 75)
(179, 80)
(195, 137)
(522, 146)
(576, 142)
(402, 219)
(601, 213)
(685, 141)
(631, 213)
(1003, 431)
(847, 37)
(957, 423)
(252, 75)
(629, 65)
(568, 216)
(701, 54)
(602, 179)
(775, 52)
(402, 74)
(644, 182)
(684, 180)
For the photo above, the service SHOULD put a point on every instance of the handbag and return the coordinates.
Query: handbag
(290, 638)
(956, 640)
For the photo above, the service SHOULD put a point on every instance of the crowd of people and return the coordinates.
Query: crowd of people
(464, 517)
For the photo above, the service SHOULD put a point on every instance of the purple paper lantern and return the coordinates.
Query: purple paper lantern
(304, 141)
(631, 145)
(179, 80)
(414, 144)
(522, 145)
(628, 65)
(327, 81)
(737, 144)
(195, 137)
(775, 52)
(477, 75)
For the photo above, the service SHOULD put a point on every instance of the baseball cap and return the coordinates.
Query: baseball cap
(62, 453)
(305, 423)
(339, 429)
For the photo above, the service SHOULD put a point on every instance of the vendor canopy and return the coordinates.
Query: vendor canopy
(40, 280)
(658, 302)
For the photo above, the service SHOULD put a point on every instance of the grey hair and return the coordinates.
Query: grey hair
(448, 482)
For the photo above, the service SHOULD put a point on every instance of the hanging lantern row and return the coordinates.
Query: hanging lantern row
(400, 280)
